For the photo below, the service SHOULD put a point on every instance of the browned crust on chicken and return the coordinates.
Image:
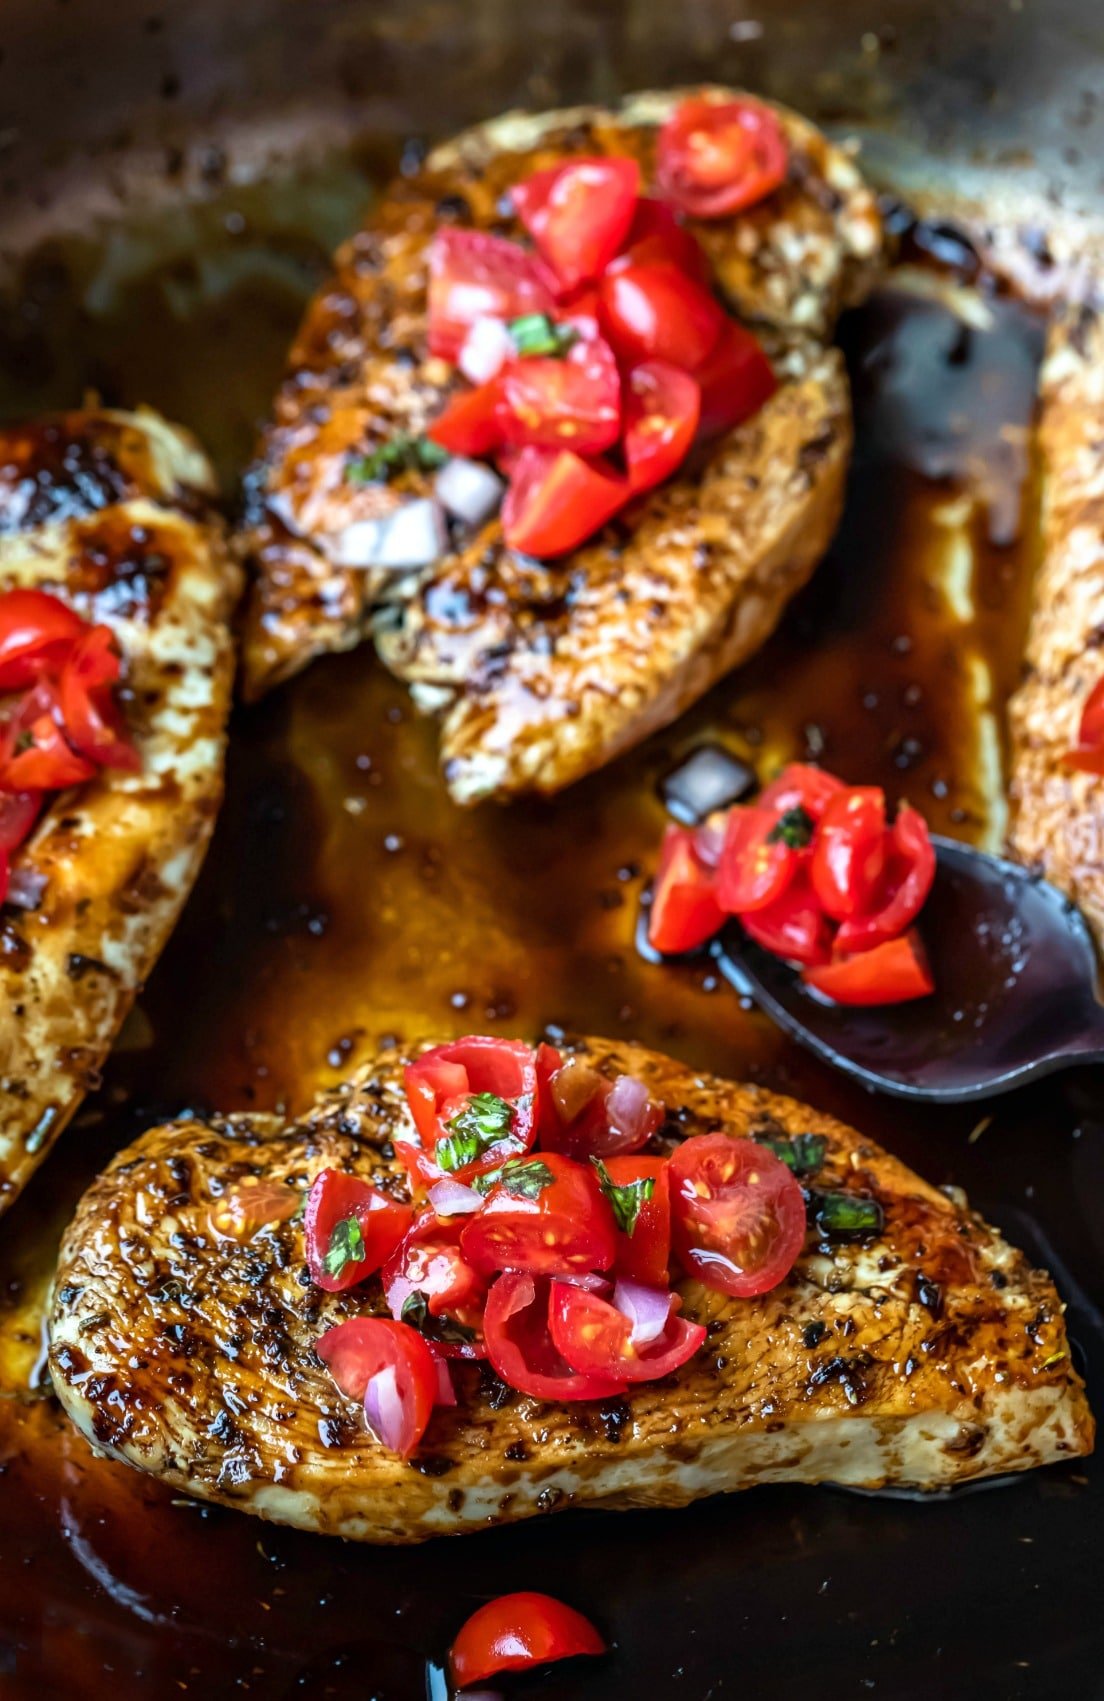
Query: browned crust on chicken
(931, 1355)
(1058, 814)
(112, 513)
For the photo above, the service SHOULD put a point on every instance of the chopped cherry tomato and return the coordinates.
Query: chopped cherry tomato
(908, 877)
(581, 312)
(736, 378)
(471, 421)
(738, 1214)
(18, 814)
(596, 1339)
(657, 234)
(757, 864)
(388, 1366)
(34, 754)
(718, 157)
(892, 973)
(474, 1104)
(520, 1346)
(549, 1216)
(645, 1254)
(657, 312)
(36, 633)
(571, 403)
(801, 785)
(473, 275)
(429, 1261)
(579, 213)
(596, 1117)
(792, 925)
(557, 499)
(685, 912)
(350, 1229)
(515, 1632)
(93, 722)
(849, 855)
(1089, 753)
(661, 421)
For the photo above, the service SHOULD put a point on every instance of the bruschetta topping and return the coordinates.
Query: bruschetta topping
(1088, 753)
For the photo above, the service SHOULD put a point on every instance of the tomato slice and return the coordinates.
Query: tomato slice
(736, 378)
(908, 877)
(350, 1229)
(757, 864)
(93, 721)
(715, 158)
(849, 856)
(644, 1255)
(893, 973)
(388, 1366)
(573, 402)
(1089, 753)
(474, 1105)
(685, 912)
(661, 421)
(793, 925)
(18, 813)
(737, 1212)
(548, 1217)
(515, 1632)
(34, 754)
(36, 633)
(474, 275)
(656, 312)
(579, 213)
(471, 421)
(801, 785)
(557, 499)
(429, 1261)
(520, 1346)
(656, 233)
(596, 1339)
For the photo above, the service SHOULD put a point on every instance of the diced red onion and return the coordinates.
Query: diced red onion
(384, 1410)
(480, 1695)
(470, 491)
(628, 1111)
(487, 347)
(709, 839)
(25, 888)
(446, 1393)
(470, 1350)
(592, 1283)
(415, 535)
(647, 1309)
(451, 1198)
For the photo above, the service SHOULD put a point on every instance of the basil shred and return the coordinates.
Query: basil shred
(346, 1246)
(846, 1216)
(794, 828)
(521, 1178)
(803, 1153)
(484, 1120)
(536, 333)
(627, 1200)
(402, 453)
(415, 1311)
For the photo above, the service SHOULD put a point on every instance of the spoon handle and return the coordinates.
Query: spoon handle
(1087, 1045)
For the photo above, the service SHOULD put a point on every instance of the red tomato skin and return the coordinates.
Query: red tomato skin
(573, 403)
(849, 854)
(556, 500)
(358, 1349)
(515, 1632)
(716, 158)
(657, 312)
(48, 763)
(478, 1063)
(93, 721)
(736, 380)
(716, 1181)
(520, 1346)
(660, 423)
(578, 214)
(471, 422)
(383, 1221)
(893, 973)
(1088, 755)
(657, 233)
(793, 926)
(474, 275)
(36, 633)
(596, 1339)
(910, 872)
(19, 810)
(685, 912)
(429, 1260)
(800, 783)
(567, 1229)
(645, 1255)
(753, 870)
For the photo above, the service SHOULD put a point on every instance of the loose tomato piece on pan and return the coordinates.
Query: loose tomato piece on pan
(893, 973)
(644, 1255)
(657, 234)
(557, 500)
(350, 1228)
(429, 1261)
(572, 403)
(515, 1632)
(1088, 755)
(661, 421)
(737, 1214)
(685, 912)
(520, 1346)
(596, 1339)
(388, 1366)
(793, 925)
(718, 157)
(657, 312)
(471, 421)
(34, 754)
(579, 214)
(758, 860)
(800, 785)
(546, 1214)
(910, 871)
(474, 1104)
(849, 856)
(93, 722)
(736, 378)
(18, 813)
(36, 633)
(474, 275)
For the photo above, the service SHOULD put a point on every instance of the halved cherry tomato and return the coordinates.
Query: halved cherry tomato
(520, 1346)
(661, 420)
(1088, 756)
(474, 275)
(756, 863)
(19, 811)
(579, 214)
(793, 925)
(718, 157)
(335, 1203)
(596, 1339)
(557, 499)
(376, 1356)
(908, 877)
(34, 754)
(892, 973)
(571, 403)
(36, 633)
(849, 856)
(549, 1217)
(645, 1254)
(800, 784)
(440, 1086)
(657, 312)
(429, 1261)
(685, 912)
(470, 422)
(657, 234)
(737, 1213)
(736, 378)
(517, 1631)
(93, 722)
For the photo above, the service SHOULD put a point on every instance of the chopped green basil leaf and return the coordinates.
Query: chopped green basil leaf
(484, 1120)
(626, 1200)
(847, 1216)
(536, 333)
(804, 1153)
(416, 1312)
(346, 1246)
(525, 1178)
(794, 828)
(401, 453)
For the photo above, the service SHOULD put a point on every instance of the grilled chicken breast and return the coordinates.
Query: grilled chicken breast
(112, 513)
(928, 1356)
(1058, 814)
(686, 585)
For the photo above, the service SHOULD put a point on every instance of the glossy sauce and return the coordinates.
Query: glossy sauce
(345, 898)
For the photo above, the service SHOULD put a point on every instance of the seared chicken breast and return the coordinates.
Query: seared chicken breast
(112, 513)
(926, 1355)
(1058, 813)
(543, 673)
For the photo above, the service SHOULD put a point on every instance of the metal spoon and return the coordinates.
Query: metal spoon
(1015, 975)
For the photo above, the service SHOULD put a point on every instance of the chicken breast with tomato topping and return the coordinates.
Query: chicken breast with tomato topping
(547, 639)
(908, 1345)
(110, 514)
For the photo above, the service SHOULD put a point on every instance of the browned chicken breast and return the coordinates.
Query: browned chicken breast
(1058, 813)
(928, 1354)
(112, 513)
(544, 673)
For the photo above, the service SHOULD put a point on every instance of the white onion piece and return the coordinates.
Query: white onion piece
(384, 1410)
(452, 1199)
(470, 491)
(446, 1393)
(358, 545)
(486, 349)
(647, 1309)
(592, 1283)
(25, 888)
(627, 1107)
(415, 535)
